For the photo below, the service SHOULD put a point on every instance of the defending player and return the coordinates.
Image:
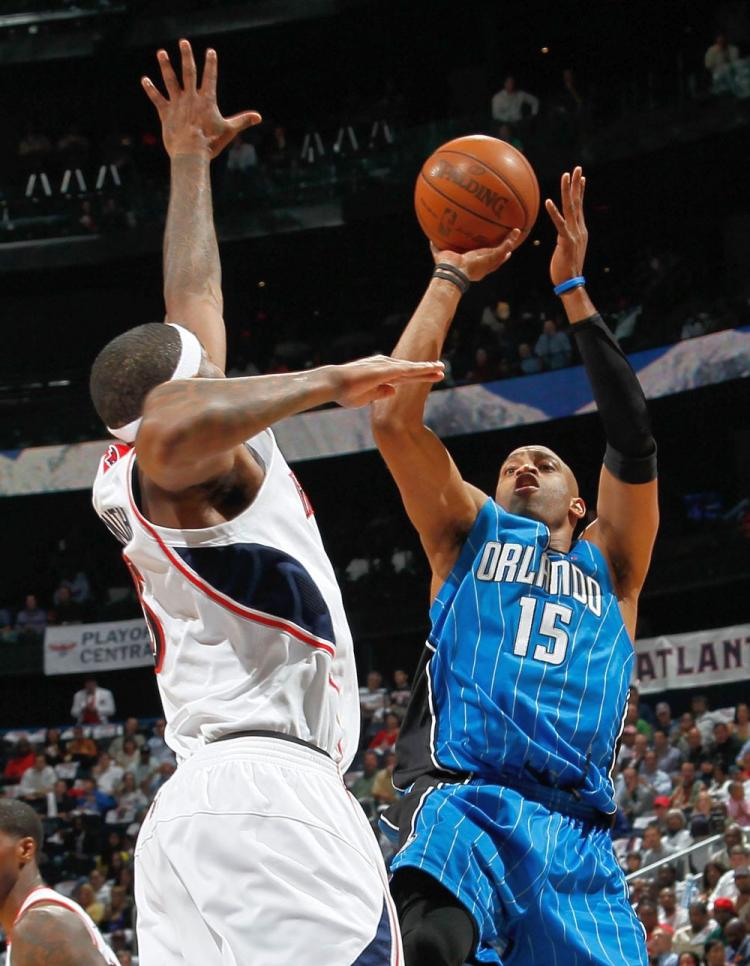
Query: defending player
(253, 852)
(507, 746)
(43, 928)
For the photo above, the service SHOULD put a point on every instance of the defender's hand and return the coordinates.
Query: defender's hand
(482, 261)
(191, 122)
(366, 380)
(572, 235)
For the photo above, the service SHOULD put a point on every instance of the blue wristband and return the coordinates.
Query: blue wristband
(575, 282)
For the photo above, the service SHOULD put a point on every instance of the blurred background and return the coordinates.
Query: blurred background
(323, 262)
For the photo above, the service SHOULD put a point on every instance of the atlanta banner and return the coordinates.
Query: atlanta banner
(93, 648)
(693, 660)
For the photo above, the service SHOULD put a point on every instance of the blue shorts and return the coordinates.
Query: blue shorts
(542, 887)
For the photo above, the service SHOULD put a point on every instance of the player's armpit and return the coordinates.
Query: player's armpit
(52, 936)
(440, 503)
(625, 530)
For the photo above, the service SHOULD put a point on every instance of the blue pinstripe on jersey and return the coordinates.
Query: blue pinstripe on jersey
(554, 712)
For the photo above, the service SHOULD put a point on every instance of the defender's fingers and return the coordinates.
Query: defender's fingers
(210, 72)
(168, 75)
(557, 219)
(189, 71)
(566, 196)
(154, 94)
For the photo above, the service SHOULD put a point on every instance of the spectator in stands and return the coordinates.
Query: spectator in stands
(744, 761)
(742, 722)
(242, 156)
(660, 947)
(64, 802)
(652, 775)
(145, 767)
(160, 750)
(668, 758)
(648, 913)
(732, 837)
(738, 943)
(34, 149)
(382, 787)
(627, 746)
(82, 748)
(664, 719)
(700, 928)
(78, 583)
(38, 781)
(73, 148)
(687, 789)
(119, 912)
(670, 914)
(129, 758)
(693, 749)
(553, 347)
(31, 620)
(677, 837)
(632, 796)
(131, 802)
(742, 882)
(279, 154)
(161, 776)
(738, 809)
(6, 624)
(704, 719)
(54, 750)
(528, 363)
(91, 800)
(107, 774)
(661, 809)
(723, 912)
(401, 693)
(687, 959)
(65, 610)
(102, 889)
(483, 368)
(129, 730)
(679, 736)
(511, 105)
(21, 758)
(362, 787)
(726, 887)
(85, 896)
(385, 739)
(373, 698)
(726, 746)
(653, 848)
(719, 58)
(92, 704)
(714, 953)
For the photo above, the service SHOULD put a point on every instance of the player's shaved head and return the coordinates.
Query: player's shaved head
(129, 367)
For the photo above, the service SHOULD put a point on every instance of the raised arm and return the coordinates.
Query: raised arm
(53, 936)
(627, 502)
(194, 132)
(192, 427)
(440, 504)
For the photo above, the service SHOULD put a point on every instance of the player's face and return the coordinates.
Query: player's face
(534, 482)
(11, 860)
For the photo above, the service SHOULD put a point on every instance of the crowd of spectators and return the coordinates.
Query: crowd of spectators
(91, 785)
(71, 602)
(679, 782)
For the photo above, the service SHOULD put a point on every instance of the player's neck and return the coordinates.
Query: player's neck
(28, 880)
(560, 540)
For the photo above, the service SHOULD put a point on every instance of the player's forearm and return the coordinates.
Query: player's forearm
(422, 340)
(631, 449)
(192, 269)
(196, 418)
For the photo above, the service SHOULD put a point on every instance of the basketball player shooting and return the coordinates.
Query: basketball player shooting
(42, 927)
(253, 852)
(507, 747)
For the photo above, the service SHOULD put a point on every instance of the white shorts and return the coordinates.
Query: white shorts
(255, 854)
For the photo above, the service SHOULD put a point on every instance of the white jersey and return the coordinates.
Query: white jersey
(50, 897)
(246, 619)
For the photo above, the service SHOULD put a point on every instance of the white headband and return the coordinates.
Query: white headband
(191, 354)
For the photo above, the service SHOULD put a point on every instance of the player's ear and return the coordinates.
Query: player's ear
(578, 507)
(25, 850)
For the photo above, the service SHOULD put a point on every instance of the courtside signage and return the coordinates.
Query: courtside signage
(87, 648)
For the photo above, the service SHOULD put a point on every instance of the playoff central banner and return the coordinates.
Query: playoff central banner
(93, 648)
(700, 659)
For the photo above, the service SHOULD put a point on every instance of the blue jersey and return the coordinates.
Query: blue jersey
(527, 667)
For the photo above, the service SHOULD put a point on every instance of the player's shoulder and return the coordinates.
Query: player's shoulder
(115, 453)
(53, 933)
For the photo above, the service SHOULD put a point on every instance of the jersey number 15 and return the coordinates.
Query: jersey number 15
(555, 647)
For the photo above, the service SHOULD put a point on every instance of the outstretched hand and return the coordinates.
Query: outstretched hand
(367, 380)
(191, 121)
(572, 234)
(482, 261)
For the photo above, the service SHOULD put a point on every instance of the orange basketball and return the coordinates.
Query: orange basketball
(473, 191)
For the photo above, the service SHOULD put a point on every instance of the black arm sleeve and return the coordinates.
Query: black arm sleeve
(631, 449)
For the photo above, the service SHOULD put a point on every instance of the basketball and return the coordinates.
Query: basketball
(473, 191)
